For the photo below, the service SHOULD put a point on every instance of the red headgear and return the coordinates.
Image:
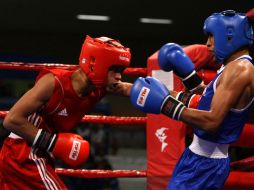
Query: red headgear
(99, 54)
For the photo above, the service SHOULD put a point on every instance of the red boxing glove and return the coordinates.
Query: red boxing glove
(71, 149)
(194, 101)
(250, 15)
(201, 56)
(188, 99)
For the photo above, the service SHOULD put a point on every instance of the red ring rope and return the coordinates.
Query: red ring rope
(83, 173)
(105, 119)
(246, 164)
(38, 66)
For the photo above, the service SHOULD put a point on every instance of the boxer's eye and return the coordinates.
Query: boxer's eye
(117, 69)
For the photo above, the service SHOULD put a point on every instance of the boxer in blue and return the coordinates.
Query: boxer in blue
(224, 105)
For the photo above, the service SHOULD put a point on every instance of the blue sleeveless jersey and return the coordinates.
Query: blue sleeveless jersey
(232, 125)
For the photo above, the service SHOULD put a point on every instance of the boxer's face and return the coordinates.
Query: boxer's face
(210, 42)
(115, 75)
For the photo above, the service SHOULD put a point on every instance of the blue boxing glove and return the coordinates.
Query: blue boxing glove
(147, 94)
(172, 57)
(151, 96)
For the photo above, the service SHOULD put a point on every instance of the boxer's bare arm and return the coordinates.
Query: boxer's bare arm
(233, 82)
(16, 120)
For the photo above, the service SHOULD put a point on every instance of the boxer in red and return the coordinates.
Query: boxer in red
(39, 122)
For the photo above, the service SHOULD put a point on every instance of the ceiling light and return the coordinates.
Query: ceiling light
(93, 17)
(156, 21)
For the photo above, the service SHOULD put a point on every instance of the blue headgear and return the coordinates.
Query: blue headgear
(230, 30)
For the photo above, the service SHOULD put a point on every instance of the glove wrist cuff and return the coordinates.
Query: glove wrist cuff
(172, 108)
(44, 140)
(185, 98)
(192, 81)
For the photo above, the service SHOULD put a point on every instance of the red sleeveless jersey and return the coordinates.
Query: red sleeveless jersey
(65, 108)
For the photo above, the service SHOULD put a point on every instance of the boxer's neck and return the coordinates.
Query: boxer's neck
(81, 84)
(237, 54)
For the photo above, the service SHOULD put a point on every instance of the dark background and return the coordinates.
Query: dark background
(47, 30)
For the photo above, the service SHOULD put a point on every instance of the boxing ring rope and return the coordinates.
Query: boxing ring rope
(246, 164)
(83, 173)
(114, 120)
(38, 66)
(241, 165)
(105, 119)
